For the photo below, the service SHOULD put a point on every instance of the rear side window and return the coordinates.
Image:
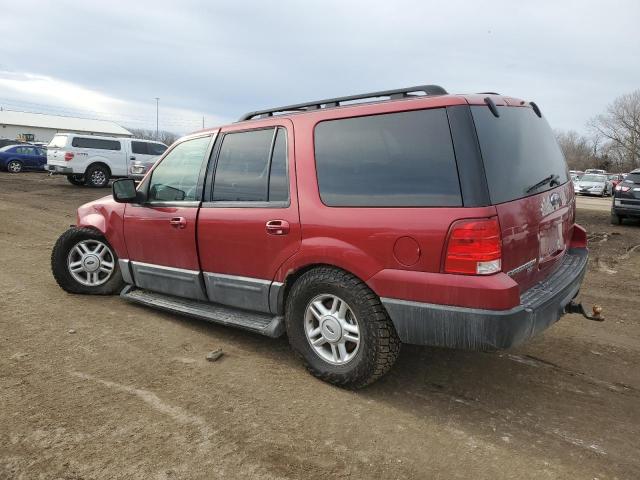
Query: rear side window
(401, 159)
(252, 167)
(156, 148)
(140, 148)
(97, 143)
(519, 150)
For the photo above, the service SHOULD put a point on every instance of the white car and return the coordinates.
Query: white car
(93, 160)
(591, 184)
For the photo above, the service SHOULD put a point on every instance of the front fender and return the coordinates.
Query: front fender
(106, 216)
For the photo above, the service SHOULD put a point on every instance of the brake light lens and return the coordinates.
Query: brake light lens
(68, 156)
(474, 247)
(620, 188)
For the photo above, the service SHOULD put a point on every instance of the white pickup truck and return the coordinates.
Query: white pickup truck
(92, 160)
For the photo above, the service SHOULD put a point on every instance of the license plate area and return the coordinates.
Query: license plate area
(551, 238)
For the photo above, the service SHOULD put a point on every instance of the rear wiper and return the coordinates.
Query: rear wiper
(551, 180)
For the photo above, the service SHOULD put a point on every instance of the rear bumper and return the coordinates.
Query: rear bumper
(477, 329)
(57, 169)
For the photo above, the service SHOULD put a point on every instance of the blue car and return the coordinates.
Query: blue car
(15, 158)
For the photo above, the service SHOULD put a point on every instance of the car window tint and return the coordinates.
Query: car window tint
(139, 147)
(278, 180)
(243, 166)
(176, 177)
(97, 143)
(519, 150)
(390, 160)
(156, 148)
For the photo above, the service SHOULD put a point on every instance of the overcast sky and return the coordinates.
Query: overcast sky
(219, 59)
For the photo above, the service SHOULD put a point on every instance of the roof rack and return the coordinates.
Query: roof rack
(335, 102)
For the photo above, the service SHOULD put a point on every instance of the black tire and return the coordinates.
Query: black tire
(97, 176)
(59, 265)
(77, 180)
(616, 219)
(14, 166)
(379, 343)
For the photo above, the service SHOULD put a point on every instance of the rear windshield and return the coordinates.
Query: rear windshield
(58, 141)
(632, 178)
(593, 178)
(519, 151)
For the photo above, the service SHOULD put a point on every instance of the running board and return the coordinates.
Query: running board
(262, 323)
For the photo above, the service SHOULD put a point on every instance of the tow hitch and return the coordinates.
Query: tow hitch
(573, 307)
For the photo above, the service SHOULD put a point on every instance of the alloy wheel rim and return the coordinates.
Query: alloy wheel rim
(98, 177)
(332, 329)
(14, 167)
(91, 263)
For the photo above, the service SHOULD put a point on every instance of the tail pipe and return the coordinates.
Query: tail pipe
(596, 316)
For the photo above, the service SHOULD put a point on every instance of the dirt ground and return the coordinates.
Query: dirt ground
(130, 394)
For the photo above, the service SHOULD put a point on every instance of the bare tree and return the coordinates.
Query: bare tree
(579, 150)
(163, 136)
(620, 125)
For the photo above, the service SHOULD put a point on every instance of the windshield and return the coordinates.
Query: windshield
(519, 152)
(58, 141)
(632, 178)
(593, 178)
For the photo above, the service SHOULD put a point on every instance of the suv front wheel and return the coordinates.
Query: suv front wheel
(340, 328)
(82, 261)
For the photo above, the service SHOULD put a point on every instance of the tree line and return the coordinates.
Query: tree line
(613, 139)
(163, 136)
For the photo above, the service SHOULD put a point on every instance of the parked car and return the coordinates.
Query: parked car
(92, 160)
(16, 158)
(592, 184)
(615, 178)
(596, 171)
(428, 219)
(626, 198)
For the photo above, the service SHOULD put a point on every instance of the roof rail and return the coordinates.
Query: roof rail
(335, 102)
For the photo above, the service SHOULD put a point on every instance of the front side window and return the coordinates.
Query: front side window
(245, 164)
(403, 159)
(175, 179)
(96, 143)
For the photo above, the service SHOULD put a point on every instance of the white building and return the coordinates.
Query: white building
(38, 127)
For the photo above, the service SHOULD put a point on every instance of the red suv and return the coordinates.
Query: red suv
(353, 224)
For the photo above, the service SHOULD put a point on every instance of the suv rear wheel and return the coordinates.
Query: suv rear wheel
(340, 328)
(82, 261)
(97, 176)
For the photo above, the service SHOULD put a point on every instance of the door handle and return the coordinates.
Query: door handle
(277, 227)
(132, 157)
(178, 222)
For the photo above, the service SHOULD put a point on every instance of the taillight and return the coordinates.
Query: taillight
(68, 156)
(474, 247)
(620, 188)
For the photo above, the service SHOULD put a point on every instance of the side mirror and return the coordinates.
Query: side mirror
(124, 190)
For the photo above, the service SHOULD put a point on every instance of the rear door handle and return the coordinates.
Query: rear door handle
(277, 227)
(178, 222)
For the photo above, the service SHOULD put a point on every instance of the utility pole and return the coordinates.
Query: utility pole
(157, 106)
(203, 122)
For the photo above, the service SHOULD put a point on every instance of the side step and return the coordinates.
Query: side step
(262, 323)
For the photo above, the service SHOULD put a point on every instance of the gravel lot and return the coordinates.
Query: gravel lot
(131, 395)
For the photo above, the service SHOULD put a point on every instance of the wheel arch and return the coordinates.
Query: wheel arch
(98, 163)
(293, 275)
